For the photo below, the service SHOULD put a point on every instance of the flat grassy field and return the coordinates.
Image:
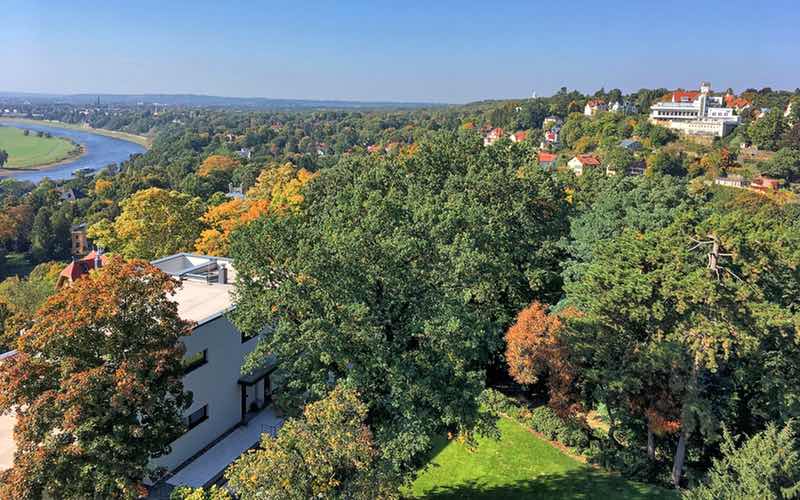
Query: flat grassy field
(25, 152)
(520, 466)
(138, 139)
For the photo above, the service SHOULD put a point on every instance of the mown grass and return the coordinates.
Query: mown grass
(519, 466)
(30, 151)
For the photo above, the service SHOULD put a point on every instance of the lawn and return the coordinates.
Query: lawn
(31, 151)
(519, 466)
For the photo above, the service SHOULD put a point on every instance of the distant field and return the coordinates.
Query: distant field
(520, 466)
(27, 152)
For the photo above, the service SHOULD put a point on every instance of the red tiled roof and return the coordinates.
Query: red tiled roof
(545, 156)
(595, 102)
(520, 136)
(80, 267)
(550, 136)
(684, 96)
(588, 160)
(735, 102)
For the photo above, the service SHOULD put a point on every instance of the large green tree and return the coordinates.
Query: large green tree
(399, 276)
(96, 386)
(693, 324)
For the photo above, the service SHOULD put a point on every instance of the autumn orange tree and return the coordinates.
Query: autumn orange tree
(223, 219)
(278, 189)
(217, 163)
(96, 386)
(534, 349)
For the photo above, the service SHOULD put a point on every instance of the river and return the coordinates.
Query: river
(101, 151)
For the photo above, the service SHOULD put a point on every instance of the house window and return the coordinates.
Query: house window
(196, 418)
(195, 361)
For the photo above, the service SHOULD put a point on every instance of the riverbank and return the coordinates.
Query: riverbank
(31, 151)
(141, 140)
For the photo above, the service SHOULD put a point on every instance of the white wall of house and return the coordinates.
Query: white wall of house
(213, 384)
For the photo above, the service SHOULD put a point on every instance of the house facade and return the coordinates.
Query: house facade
(594, 106)
(695, 113)
(223, 398)
(547, 161)
(578, 164)
(493, 136)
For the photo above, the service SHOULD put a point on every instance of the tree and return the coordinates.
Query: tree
(766, 131)
(3, 157)
(50, 233)
(22, 298)
(399, 276)
(223, 219)
(785, 164)
(96, 386)
(328, 453)
(680, 321)
(533, 348)
(217, 163)
(661, 162)
(282, 185)
(765, 466)
(153, 223)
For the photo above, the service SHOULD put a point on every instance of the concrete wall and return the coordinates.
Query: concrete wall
(213, 384)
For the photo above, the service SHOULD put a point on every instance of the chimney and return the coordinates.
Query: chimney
(97, 261)
(222, 275)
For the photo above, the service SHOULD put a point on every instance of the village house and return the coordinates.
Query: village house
(764, 184)
(518, 136)
(493, 136)
(630, 144)
(79, 241)
(634, 168)
(552, 122)
(594, 106)
(695, 113)
(547, 161)
(235, 192)
(578, 164)
(246, 153)
(625, 107)
(734, 181)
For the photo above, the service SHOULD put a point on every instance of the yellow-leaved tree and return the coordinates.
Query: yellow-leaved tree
(154, 222)
(217, 163)
(278, 189)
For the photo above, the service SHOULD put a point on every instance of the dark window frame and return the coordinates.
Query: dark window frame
(194, 364)
(192, 424)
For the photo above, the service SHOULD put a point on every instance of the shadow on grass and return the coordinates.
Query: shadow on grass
(583, 484)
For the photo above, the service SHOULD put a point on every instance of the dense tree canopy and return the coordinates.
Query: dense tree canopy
(153, 223)
(399, 277)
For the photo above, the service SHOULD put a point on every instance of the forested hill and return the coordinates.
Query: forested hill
(194, 100)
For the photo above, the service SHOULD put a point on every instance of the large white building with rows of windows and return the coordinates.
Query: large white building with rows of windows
(695, 113)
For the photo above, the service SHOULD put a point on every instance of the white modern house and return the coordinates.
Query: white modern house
(594, 106)
(229, 411)
(695, 113)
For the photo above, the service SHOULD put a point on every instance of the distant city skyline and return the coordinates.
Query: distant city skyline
(444, 52)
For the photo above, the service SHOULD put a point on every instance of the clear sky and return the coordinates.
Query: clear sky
(434, 50)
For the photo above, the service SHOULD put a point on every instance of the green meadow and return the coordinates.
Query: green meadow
(27, 152)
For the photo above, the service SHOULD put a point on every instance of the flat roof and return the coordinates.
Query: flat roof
(201, 302)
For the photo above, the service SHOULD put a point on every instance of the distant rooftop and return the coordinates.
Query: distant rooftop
(207, 285)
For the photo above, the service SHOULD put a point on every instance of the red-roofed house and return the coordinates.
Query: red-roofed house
(374, 148)
(518, 136)
(547, 160)
(493, 136)
(593, 106)
(580, 163)
(551, 136)
(738, 103)
(763, 184)
(81, 267)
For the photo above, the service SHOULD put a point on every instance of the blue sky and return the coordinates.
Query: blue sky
(444, 51)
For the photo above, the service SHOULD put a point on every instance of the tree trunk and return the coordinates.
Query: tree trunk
(680, 457)
(651, 443)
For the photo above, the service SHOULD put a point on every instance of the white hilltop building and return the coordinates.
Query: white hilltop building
(695, 113)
